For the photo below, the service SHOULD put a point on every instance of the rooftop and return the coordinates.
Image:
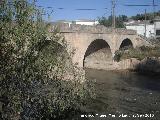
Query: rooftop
(135, 23)
(84, 20)
(157, 18)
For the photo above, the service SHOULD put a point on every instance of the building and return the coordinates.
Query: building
(139, 26)
(157, 26)
(65, 21)
(80, 22)
(86, 22)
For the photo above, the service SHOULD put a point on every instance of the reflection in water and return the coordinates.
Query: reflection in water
(124, 92)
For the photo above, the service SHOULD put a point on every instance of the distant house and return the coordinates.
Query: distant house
(86, 22)
(65, 21)
(139, 26)
(80, 22)
(157, 26)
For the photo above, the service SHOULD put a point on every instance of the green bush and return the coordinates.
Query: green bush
(117, 56)
(32, 67)
(139, 53)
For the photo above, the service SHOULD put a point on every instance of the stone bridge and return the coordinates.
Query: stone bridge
(85, 40)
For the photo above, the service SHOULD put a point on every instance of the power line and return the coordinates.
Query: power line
(139, 5)
(60, 8)
(85, 9)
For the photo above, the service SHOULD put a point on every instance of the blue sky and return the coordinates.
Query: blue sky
(69, 12)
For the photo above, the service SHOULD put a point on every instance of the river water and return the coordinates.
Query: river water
(123, 96)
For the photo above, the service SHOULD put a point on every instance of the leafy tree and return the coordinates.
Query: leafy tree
(108, 21)
(124, 18)
(105, 21)
(33, 66)
(149, 16)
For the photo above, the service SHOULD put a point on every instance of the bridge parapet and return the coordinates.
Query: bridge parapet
(98, 29)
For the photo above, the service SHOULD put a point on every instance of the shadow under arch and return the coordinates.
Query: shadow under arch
(126, 43)
(95, 46)
(56, 55)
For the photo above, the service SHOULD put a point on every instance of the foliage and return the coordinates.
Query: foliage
(123, 18)
(32, 67)
(139, 53)
(149, 16)
(108, 21)
(105, 21)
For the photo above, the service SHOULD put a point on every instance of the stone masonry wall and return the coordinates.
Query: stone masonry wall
(64, 28)
(146, 65)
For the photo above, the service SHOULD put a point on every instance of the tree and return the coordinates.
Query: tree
(149, 16)
(32, 67)
(105, 21)
(108, 21)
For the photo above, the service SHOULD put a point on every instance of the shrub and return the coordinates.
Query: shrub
(33, 65)
(139, 53)
(117, 56)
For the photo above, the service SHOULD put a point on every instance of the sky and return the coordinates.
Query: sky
(69, 11)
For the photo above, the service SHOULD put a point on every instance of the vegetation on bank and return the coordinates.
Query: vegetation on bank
(32, 67)
(140, 53)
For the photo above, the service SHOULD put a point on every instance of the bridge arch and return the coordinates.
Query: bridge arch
(126, 43)
(98, 46)
(58, 49)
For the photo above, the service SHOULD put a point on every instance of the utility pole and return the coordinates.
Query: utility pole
(113, 14)
(145, 26)
(153, 9)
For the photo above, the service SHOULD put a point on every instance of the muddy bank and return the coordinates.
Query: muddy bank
(148, 64)
(124, 93)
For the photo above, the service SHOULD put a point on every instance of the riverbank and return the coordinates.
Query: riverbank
(147, 65)
(120, 92)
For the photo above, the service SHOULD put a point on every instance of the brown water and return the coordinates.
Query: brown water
(124, 96)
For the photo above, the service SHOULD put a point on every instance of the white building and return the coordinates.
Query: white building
(157, 26)
(65, 21)
(139, 26)
(80, 22)
(86, 22)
